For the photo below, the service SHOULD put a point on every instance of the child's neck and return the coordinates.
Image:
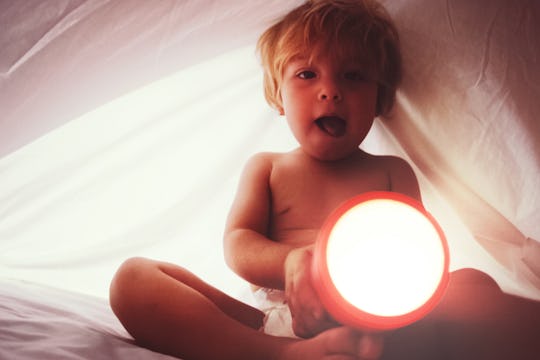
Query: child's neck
(354, 157)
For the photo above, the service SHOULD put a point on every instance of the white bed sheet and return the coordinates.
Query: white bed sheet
(41, 322)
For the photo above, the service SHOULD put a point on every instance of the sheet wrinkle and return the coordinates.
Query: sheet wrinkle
(62, 325)
(488, 226)
(486, 52)
(197, 20)
(67, 20)
(449, 17)
(18, 35)
(530, 253)
(530, 15)
(149, 22)
(115, 40)
(168, 34)
(38, 313)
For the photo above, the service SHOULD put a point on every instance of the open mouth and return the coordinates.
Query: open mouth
(332, 125)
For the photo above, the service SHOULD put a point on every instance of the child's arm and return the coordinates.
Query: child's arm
(248, 251)
(267, 263)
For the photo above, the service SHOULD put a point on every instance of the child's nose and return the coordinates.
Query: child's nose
(330, 91)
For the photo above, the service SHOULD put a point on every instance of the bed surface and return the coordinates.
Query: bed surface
(40, 322)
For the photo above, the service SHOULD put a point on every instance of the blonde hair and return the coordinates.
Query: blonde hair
(358, 28)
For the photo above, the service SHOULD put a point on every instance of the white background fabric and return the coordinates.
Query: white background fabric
(124, 126)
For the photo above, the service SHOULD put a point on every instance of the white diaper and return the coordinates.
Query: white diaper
(278, 319)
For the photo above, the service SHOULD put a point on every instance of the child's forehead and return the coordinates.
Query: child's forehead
(333, 54)
(315, 59)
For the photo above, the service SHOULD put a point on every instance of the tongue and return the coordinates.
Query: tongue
(333, 126)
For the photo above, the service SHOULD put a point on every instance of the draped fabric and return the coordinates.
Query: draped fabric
(124, 126)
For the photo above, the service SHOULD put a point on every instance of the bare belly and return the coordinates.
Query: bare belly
(295, 237)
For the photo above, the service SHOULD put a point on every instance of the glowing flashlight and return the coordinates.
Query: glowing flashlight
(380, 262)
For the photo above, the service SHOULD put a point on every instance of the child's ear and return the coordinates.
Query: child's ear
(278, 105)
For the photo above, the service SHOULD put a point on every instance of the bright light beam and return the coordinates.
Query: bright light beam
(381, 261)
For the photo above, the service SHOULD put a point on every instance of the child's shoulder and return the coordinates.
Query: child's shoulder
(400, 174)
(267, 159)
(389, 161)
(399, 165)
(263, 159)
(272, 163)
(261, 163)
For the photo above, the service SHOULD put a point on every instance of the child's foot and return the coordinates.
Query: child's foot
(335, 344)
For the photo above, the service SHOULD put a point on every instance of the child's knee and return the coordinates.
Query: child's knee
(130, 271)
(473, 277)
(127, 282)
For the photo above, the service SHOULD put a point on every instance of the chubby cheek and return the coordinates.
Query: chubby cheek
(298, 128)
(367, 106)
(297, 113)
(289, 101)
(366, 100)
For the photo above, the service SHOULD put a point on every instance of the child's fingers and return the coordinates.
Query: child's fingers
(306, 325)
(349, 343)
(309, 317)
(370, 347)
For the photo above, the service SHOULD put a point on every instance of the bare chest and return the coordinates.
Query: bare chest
(303, 197)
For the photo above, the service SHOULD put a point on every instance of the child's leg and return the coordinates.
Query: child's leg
(169, 310)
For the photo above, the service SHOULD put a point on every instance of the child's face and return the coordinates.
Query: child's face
(329, 104)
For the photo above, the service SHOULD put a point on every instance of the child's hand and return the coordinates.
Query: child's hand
(309, 317)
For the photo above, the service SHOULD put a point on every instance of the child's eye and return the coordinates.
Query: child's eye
(306, 74)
